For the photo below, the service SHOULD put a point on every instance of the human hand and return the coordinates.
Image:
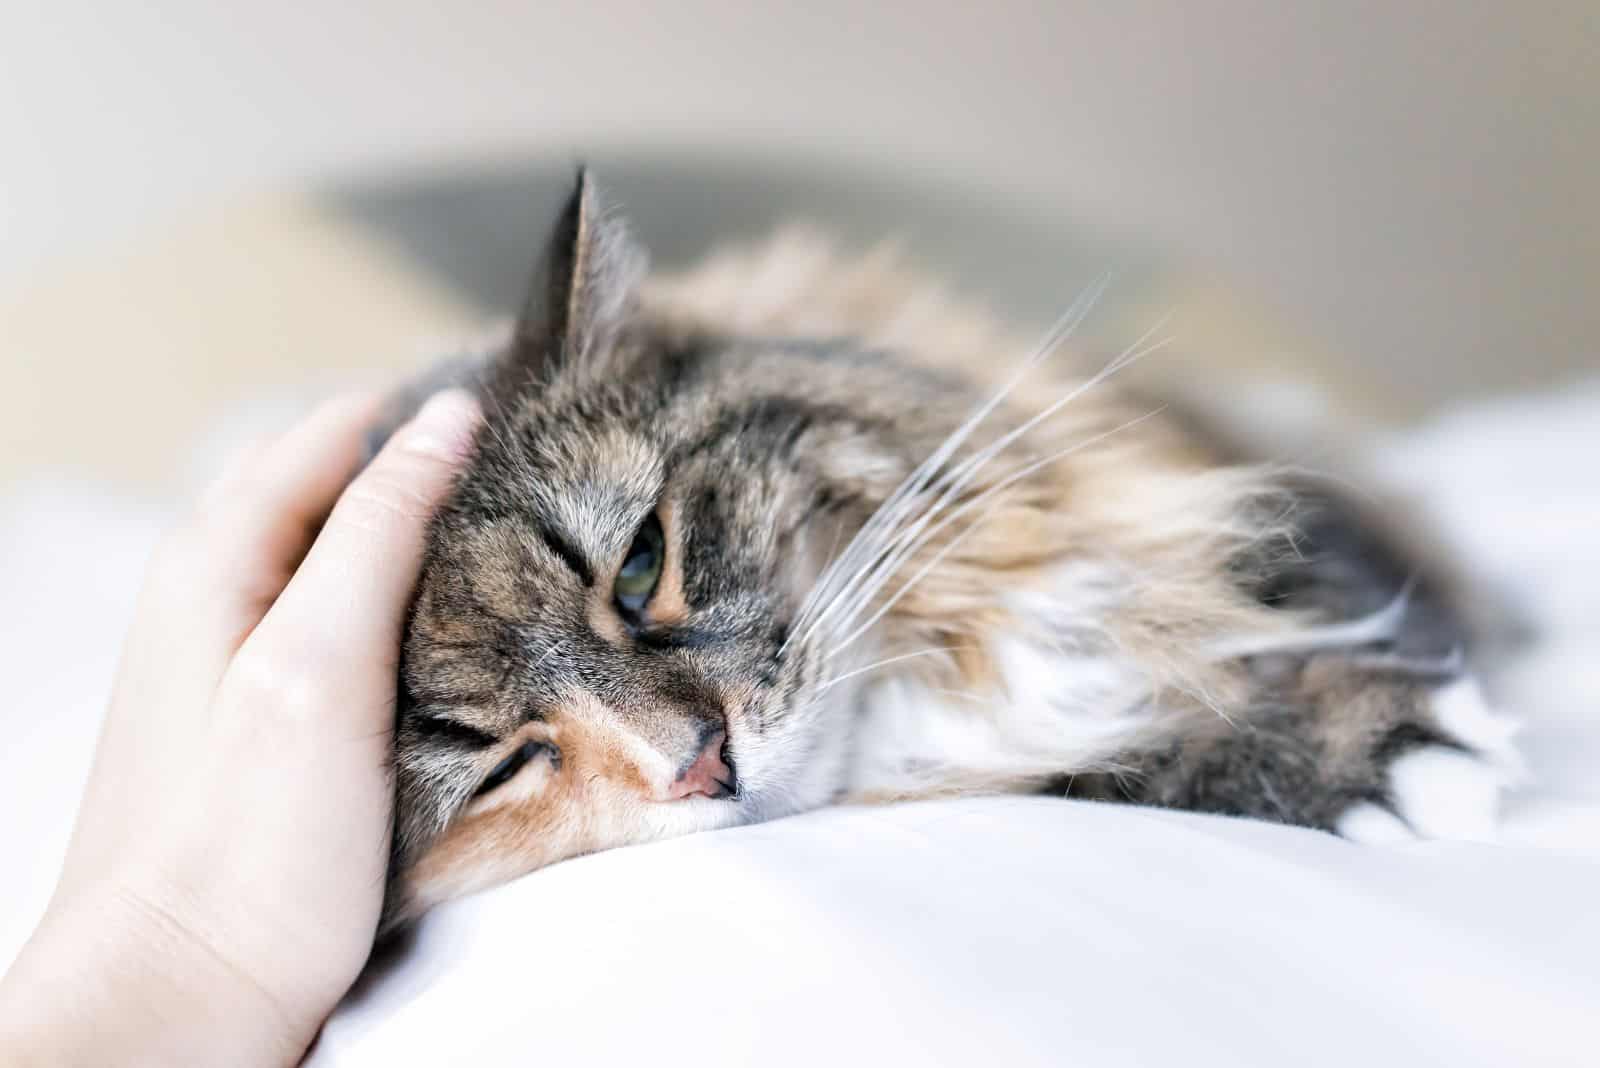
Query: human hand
(224, 880)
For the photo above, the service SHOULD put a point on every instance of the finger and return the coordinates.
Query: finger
(210, 584)
(236, 463)
(339, 619)
(214, 580)
(267, 508)
(219, 573)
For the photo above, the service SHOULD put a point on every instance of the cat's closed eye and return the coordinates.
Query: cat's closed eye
(838, 501)
(641, 568)
(507, 769)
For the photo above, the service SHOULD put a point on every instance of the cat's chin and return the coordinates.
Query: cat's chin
(674, 818)
(795, 768)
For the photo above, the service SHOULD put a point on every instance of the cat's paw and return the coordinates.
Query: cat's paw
(1442, 791)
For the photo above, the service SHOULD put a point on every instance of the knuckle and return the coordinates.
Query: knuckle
(430, 450)
(382, 500)
(276, 688)
(209, 521)
(202, 543)
(185, 548)
(421, 454)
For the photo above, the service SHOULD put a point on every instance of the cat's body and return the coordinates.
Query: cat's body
(793, 529)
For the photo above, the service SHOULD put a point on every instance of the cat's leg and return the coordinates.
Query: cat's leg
(1389, 739)
(1364, 744)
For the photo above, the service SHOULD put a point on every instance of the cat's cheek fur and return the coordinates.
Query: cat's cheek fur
(603, 792)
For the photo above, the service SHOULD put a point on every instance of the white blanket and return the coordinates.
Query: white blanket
(1021, 931)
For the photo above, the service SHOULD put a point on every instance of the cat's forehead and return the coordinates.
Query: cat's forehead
(648, 429)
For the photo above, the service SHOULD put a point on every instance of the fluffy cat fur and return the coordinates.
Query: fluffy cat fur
(904, 556)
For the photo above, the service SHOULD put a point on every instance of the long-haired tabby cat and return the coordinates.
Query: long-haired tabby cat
(791, 530)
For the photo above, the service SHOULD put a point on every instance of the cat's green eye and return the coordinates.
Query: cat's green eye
(641, 568)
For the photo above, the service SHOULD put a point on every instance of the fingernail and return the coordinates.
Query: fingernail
(445, 425)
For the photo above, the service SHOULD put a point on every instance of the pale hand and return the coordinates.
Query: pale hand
(223, 883)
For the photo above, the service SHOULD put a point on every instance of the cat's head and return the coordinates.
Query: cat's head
(605, 646)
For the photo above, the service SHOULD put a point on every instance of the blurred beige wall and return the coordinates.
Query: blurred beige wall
(1411, 183)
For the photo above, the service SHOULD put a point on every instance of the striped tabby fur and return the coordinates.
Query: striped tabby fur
(903, 555)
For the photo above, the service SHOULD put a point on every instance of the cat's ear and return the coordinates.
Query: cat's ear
(582, 288)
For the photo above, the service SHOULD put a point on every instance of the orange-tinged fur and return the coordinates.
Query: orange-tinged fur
(1171, 523)
(1075, 586)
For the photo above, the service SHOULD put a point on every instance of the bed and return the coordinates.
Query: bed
(1020, 931)
(1015, 930)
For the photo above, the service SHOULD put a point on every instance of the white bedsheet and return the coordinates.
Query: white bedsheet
(1023, 931)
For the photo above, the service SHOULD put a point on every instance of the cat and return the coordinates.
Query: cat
(794, 528)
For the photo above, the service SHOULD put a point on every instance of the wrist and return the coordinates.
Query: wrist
(109, 977)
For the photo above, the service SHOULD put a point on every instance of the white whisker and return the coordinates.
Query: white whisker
(1000, 486)
(885, 662)
(938, 557)
(867, 544)
(897, 547)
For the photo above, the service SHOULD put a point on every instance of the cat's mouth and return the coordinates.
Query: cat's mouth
(731, 783)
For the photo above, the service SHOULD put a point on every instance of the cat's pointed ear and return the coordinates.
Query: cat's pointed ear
(583, 285)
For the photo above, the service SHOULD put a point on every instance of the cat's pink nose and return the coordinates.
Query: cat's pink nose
(711, 774)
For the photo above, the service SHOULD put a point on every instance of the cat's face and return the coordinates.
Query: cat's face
(601, 649)
(598, 654)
